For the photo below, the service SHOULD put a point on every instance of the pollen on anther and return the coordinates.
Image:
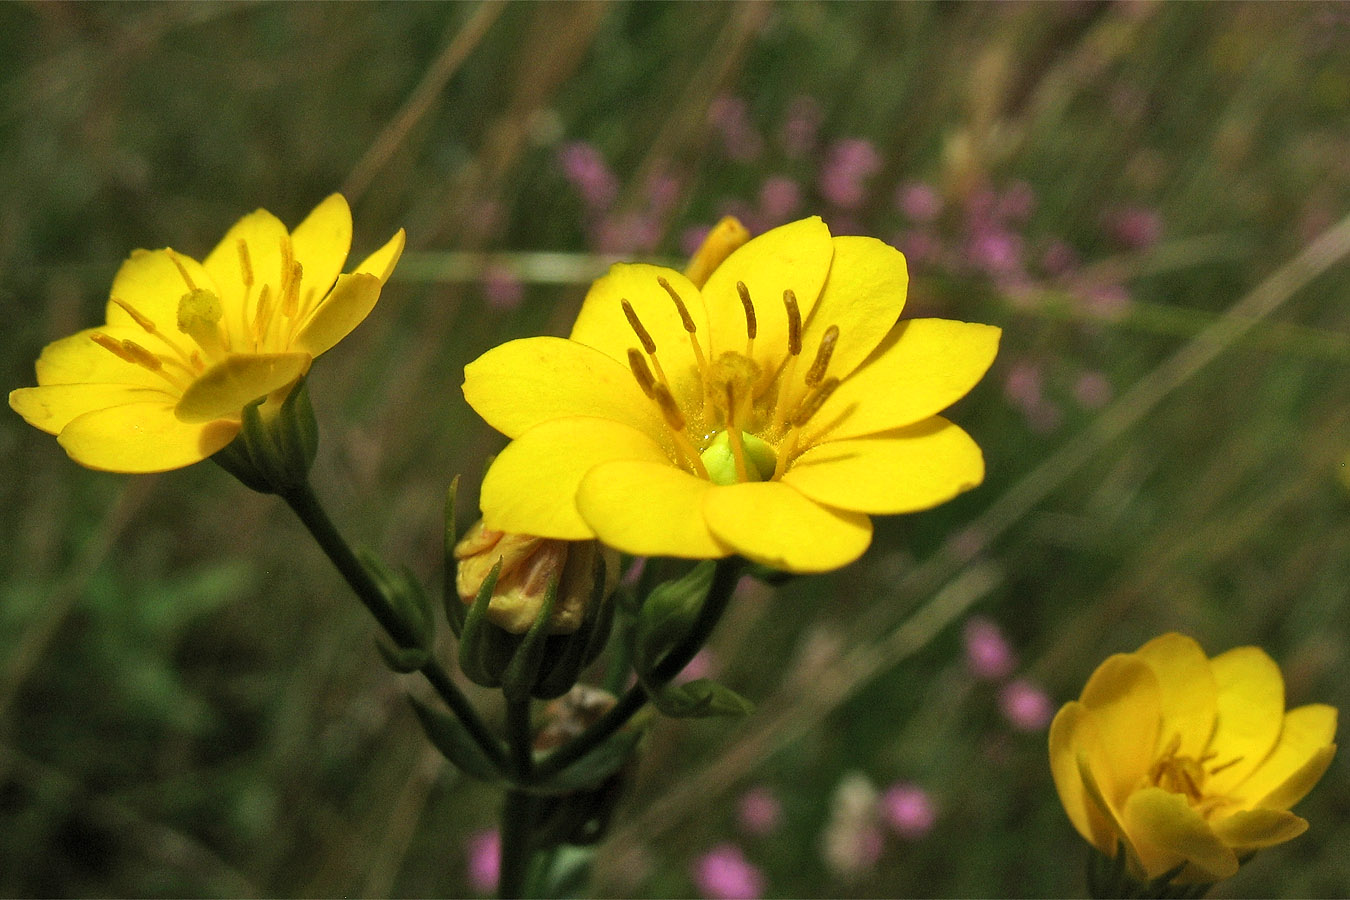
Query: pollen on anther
(794, 318)
(669, 408)
(685, 319)
(137, 316)
(751, 325)
(641, 373)
(813, 402)
(823, 354)
(245, 263)
(636, 324)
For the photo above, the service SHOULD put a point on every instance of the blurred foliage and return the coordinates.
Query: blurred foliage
(190, 705)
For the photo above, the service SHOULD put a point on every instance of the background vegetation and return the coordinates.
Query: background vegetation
(190, 703)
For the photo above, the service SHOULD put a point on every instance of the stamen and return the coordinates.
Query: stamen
(675, 421)
(823, 354)
(751, 325)
(1219, 768)
(142, 357)
(645, 338)
(641, 372)
(246, 275)
(113, 346)
(134, 353)
(794, 320)
(137, 316)
(182, 270)
(734, 435)
(636, 324)
(689, 326)
(809, 406)
(262, 316)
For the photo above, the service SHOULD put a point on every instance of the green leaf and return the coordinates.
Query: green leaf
(450, 737)
(405, 659)
(454, 609)
(699, 699)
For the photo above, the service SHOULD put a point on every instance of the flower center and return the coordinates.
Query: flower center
(267, 325)
(1186, 775)
(739, 425)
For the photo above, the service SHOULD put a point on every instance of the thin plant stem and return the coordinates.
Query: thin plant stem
(516, 852)
(725, 577)
(303, 501)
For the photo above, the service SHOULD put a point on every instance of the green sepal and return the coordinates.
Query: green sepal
(588, 772)
(667, 615)
(455, 610)
(403, 660)
(407, 598)
(477, 638)
(448, 735)
(1109, 876)
(699, 699)
(769, 575)
(275, 454)
(519, 678)
(569, 654)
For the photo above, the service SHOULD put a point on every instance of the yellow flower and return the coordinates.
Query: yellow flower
(767, 412)
(188, 344)
(1187, 760)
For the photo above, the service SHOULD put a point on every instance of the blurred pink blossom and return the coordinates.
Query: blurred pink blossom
(1023, 384)
(1110, 301)
(759, 812)
(628, 233)
(996, 251)
(723, 873)
(920, 246)
(1025, 705)
(730, 116)
(908, 810)
(919, 202)
(779, 197)
(988, 654)
(703, 665)
(1092, 390)
(663, 192)
(485, 851)
(848, 166)
(1016, 203)
(800, 126)
(1059, 259)
(1135, 227)
(502, 288)
(585, 167)
(692, 238)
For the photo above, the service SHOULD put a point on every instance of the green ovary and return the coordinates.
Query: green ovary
(720, 461)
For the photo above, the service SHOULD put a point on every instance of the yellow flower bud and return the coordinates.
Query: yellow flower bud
(724, 239)
(529, 564)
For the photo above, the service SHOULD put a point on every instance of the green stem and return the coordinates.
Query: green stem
(725, 577)
(520, 739)
(516, 853)
(302, 500)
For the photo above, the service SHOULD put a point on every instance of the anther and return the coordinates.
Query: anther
(182, 270)
(751, 325)
(794, 318)
(137, 316)
(813, 402)
(636, 324)
(113, 346)
(823, 354)
(669, 408)
(641, 372)
(686, 319)
(142, 357)
(245, 263)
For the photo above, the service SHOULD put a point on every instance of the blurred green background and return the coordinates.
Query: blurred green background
(191, 703)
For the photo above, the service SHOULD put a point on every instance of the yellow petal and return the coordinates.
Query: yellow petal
(381, 263)
(1072, 732)
(922, 367)
(899, 471)
(1189, 701)
(142, 437)
(1126, 706)
(52, 406)
(322, 242)
(772, 524)
(1254, 828)
(76, 359)
(1299, 782)
(1094, 767)
(863, 297)
(648, 509)
(263, 234)
(149, 281)
(519, 384)
(1307, 732)
(1167, 831)
(531, 487)
(223, 390)
(1251, 713)
(352, 299)
(796, 256)
(601, 324)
